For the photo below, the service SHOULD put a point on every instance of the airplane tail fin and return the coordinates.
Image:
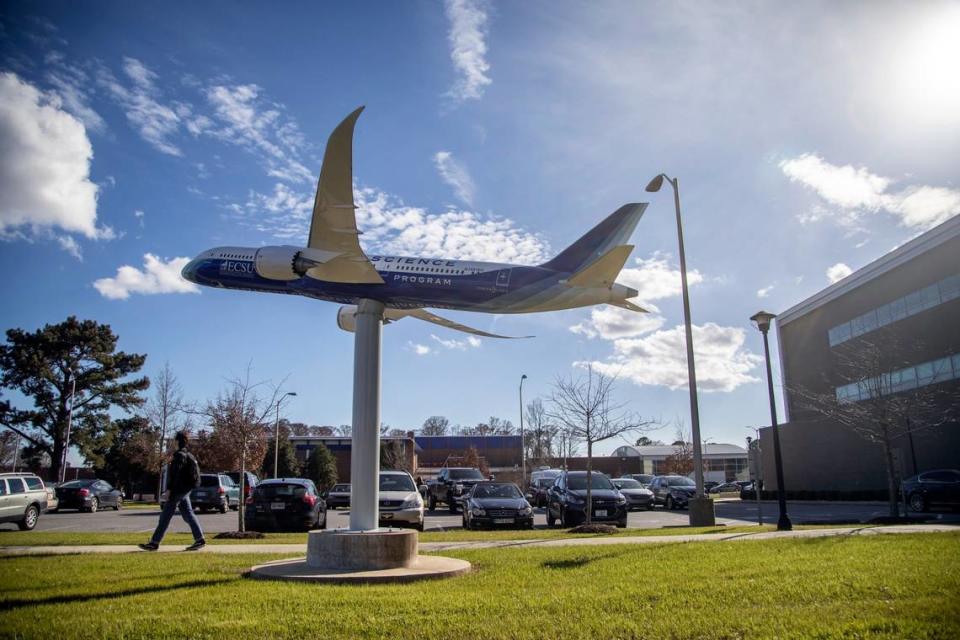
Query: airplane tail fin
(603, 271)
(615, 230)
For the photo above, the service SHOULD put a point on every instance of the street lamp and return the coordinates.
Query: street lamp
(276, 441)
(66, 446)
(523, 448)
(762, 320)
(701, 508)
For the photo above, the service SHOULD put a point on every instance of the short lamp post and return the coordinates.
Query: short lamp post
(523, 444)
(701, 507)
(762, 320)
(276, 440)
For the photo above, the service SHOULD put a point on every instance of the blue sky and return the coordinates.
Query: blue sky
(808, 140)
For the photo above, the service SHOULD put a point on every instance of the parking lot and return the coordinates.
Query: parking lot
(732, 512)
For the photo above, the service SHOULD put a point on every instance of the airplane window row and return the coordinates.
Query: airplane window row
(432, 270)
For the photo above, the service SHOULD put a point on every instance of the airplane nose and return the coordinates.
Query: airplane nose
(189, 272)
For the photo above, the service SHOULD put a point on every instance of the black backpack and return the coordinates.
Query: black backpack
(189, 471)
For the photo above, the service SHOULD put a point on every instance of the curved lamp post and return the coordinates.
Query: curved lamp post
(523, 447)
(276, 441)
(762, 320)
(701, 513)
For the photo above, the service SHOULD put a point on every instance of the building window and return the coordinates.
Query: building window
(911, 304)
(914, 377)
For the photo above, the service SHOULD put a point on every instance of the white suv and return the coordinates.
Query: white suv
(22, 499)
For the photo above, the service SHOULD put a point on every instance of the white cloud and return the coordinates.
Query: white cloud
(45, 165)
(611, 323)
(660, 359)
(764, 292)
(459, 345)
(74, 86)
(157, 123)
(246, 121)
(157, 276)
(468, 48)
(838, 272)
(455, 174)
(139, 215)
(857, 191)
(70, 245)
(419, 349)
(655, 278)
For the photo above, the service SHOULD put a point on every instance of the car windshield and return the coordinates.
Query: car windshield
(280, 490)
(77, 484)
(545, 482)
(465, 474)
(645, 479)
(629, 484)
(340, 488)
(396, 482)
(597, 481)
(679, 481)
(496, 491)
(209, 481)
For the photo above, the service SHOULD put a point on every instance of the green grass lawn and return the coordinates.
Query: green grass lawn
(902, 586)
(59, 538)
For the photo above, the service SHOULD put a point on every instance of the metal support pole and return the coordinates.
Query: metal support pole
(783, 522)
(66, 446)
(365, 450)
(276, 441)
(523, 444)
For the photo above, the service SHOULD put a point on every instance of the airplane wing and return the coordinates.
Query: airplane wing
(334, 224)
(423, 314)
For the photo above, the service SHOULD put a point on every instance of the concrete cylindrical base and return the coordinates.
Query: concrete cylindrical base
(342, 549)
(701, 512)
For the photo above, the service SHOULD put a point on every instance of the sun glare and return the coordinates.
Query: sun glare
(927, 78)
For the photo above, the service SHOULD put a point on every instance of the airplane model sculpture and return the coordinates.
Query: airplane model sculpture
(333, 266)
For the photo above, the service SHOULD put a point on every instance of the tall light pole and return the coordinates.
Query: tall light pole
(762, 320)
(276, 440)
(523, 444)
(701, 507)
(66, 446)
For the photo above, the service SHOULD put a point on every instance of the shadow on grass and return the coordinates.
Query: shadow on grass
(8, 605)
(580, 561)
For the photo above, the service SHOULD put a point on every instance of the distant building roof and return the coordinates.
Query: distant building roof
(662, 451)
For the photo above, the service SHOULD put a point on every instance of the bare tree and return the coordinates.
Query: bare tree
(435, 426)
(540, 434)
(163, 411)
(883, 398)
(241, 424)
(344, 430)
(585, 407)
(680, 462)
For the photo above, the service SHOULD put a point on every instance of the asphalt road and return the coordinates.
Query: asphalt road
(728, 512)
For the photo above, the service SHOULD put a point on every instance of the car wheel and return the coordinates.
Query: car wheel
(453, 506)
(323, 524)
(94, 505)
(419, 527)
(917, 502)
(433, 503)
(223, 507)
(119, 504)
(565, 518)
(669, 503)
(551, 521)
(30, 517)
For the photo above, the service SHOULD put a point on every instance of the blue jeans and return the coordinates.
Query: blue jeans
(186, 510)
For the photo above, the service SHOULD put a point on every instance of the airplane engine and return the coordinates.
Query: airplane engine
(347, 317)
(288, 263)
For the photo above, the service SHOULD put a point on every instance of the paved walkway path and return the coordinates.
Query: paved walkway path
(456, 546)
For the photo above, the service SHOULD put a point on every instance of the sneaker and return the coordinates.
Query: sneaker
(196, 546)
(150, 546)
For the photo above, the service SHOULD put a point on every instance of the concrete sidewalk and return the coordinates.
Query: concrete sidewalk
(427, 547)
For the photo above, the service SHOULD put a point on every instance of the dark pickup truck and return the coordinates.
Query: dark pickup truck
(451, 485)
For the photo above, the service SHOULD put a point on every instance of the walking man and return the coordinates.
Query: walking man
(183, 476)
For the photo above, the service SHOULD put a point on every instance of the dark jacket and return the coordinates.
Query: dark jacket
(176, 472)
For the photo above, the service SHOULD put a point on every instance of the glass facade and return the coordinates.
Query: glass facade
(914, 377)
(911, 304)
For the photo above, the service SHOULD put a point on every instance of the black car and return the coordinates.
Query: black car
(285, 503)
(673, 492)
(88, 495)
(940, 488)
(539, 490)
(495, 504)
(451, 485)
(567, 501)
(338, 496)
